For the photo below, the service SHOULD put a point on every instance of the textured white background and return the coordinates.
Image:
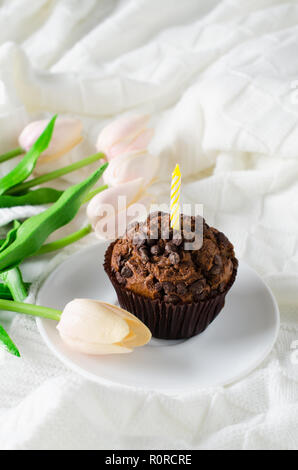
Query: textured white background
(216, 77)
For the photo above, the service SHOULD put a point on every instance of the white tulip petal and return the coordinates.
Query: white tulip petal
(66, 135)
(114, 225)
(93, 348)
(141, 333)
(89, 320)
(94, 327)
(123, 129)
(130, 190)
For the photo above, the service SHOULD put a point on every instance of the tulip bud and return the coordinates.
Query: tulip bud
(67, 134)
(127, 134)
(130, 166)
(94, 327)
(110, 196)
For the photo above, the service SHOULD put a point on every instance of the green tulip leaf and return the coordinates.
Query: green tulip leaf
(28, 162)
(7, 343)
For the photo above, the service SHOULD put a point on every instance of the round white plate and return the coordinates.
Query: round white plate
(235, 343)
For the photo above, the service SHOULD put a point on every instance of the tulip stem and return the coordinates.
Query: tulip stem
(11, 154)
(30, 309)
(94, 192)
(55, 174)
(14, 281)
(62, 242)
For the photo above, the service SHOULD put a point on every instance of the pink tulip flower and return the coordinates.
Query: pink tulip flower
(94, 327)
(67, 134)
(131, 166)
(126, 134)
(112, 210)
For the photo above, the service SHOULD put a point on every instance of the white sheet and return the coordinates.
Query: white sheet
(219, 80)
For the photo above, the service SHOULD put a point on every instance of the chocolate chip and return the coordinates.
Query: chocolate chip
(162, 263)
(118, 261)
(172, 299)
(189, 236)
(197, 287)
(119, 278)
(181, 288)
(151, 241)
(177, 241)
(174, 258)
(170, 248)
(213, 293)
(217, 260)
(153, 232)
(158, 286)
(155, 250)
(144, 254)
(222, 238)
(221, 287)
(149, 284)
(126, 272)
(123, 261)
(168, 287)
(139, 240)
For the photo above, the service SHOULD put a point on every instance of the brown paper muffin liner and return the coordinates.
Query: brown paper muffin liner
(165, 320)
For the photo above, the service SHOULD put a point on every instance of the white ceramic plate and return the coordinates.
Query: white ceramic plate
(235, 343)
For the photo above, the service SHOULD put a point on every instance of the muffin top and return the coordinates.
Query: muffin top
(154, 261)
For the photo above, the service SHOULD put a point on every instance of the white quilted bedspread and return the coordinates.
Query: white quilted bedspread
(219, 79)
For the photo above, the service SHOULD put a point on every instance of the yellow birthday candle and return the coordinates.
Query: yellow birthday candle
(175, 198)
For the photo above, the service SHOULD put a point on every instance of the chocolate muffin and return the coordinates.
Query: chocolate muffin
(174, 281)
